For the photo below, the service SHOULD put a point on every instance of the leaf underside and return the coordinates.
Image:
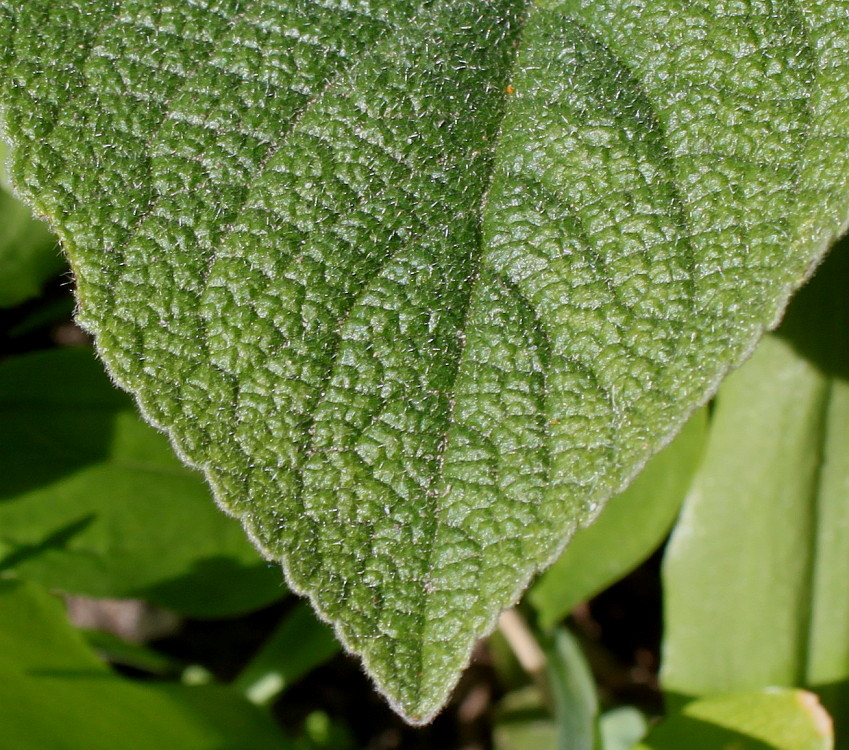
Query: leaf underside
(420, 284)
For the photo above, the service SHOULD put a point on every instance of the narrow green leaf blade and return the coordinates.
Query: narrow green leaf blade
(522, 722)
(298, 645)
(115, 650)
(755, 575)
(768, 720)
(574, 693)
(421, 284)
(822, 337)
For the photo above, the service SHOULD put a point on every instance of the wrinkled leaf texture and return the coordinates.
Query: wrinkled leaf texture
(420, 283)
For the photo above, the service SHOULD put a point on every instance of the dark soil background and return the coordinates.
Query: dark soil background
(620, 630)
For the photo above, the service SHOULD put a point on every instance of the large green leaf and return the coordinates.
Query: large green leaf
(93, 501)
(55, 693)
(756, 572)
(420, 283)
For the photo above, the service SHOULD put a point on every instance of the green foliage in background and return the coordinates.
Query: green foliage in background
(767, 720)
(764, 600)
(29, 253)
(57, 693)
(419, 285)
(86, 484)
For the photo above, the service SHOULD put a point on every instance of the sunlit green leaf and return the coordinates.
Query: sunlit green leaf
(768, 720)
(421, 283)
(756, 573)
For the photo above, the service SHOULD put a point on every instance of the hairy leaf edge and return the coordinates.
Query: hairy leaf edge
(746, 348)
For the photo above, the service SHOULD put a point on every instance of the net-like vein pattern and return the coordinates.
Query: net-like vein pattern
(420, 283)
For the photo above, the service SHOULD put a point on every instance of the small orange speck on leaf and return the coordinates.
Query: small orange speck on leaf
(510, 89)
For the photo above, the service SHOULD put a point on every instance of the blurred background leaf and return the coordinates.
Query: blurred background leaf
(756, 574)
(766, 720)
(574, 693)
(523, 723)
(29, 253)
(621, 728)
(298, 645)
(56, 693)
(93, 500)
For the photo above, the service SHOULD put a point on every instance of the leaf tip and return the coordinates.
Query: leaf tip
(821, 719)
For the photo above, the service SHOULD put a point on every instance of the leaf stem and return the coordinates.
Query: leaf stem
(529, 653)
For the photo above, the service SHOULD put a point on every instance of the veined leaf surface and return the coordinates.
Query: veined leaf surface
(420, 283)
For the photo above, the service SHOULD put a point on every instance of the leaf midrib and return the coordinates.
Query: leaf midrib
(528, 7)
(681, 210)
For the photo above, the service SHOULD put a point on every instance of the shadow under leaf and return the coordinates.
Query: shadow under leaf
(57, 540)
